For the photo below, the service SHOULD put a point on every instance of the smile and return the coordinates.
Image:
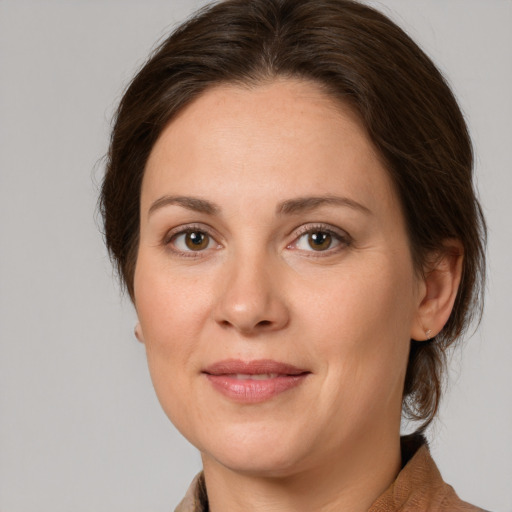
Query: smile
(253, 381)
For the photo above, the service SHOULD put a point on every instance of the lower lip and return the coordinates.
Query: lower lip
(254, 391)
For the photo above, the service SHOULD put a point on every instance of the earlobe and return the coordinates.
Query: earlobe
(138, 332)
(442, 276)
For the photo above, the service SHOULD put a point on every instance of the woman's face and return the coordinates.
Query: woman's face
(274, 284)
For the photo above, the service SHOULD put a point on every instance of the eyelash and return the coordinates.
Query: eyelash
(342, 238)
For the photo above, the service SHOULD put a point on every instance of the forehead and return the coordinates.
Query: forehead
(282, 137)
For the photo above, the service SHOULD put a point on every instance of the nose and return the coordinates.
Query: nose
(252, 300)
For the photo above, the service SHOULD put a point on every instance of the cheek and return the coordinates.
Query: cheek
(370, 301)
(172, 313)
(169, 305)
(366, 320)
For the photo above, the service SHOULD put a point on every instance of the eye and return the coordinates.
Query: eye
(319, 239)
(193, 240)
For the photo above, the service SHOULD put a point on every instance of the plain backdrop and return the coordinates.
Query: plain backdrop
(80, 427)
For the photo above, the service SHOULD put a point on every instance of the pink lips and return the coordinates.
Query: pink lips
(253, 381)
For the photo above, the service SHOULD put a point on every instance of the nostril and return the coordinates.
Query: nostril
(250, 314)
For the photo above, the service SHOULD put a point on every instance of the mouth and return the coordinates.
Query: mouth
(253, 381)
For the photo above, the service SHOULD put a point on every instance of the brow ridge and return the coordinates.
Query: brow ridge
(288, 207)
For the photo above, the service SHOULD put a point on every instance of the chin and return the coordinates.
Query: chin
(262, 454)
(255, 464)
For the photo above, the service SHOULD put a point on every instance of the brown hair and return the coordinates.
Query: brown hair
(360, 57)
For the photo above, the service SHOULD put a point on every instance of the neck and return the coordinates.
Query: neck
(349, 481)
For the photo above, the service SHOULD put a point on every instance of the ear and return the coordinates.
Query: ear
(438, 290)
(138, 332)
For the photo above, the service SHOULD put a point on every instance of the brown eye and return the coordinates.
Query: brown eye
(191, 241)
(319, 240)
(196, 240)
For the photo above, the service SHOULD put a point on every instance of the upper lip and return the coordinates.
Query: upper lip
(254, 367)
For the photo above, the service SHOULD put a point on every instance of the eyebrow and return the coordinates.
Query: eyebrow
(305, 204)
(190, 203)
(289, 207)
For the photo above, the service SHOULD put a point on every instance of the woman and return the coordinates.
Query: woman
(289, 202)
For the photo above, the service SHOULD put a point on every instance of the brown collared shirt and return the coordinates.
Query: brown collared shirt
(418, 487)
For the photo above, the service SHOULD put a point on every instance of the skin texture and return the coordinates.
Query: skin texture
(256, 289)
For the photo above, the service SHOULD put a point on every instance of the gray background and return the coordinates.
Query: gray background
(80, 428)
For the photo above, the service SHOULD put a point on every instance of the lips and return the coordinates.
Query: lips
(253, 381)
